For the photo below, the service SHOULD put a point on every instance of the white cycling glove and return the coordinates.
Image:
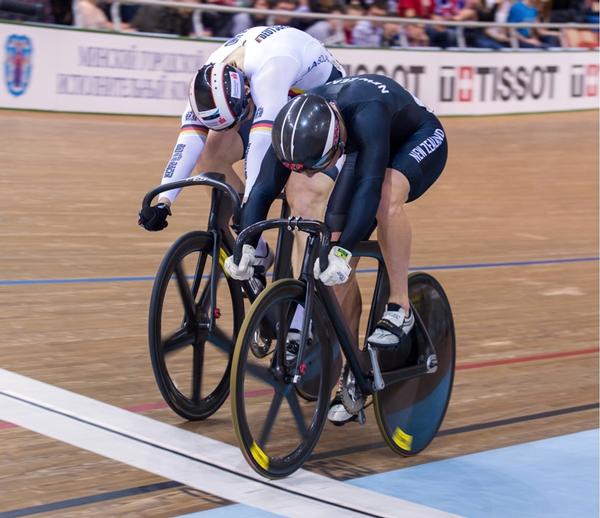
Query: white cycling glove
(244, 270)
(339, 268)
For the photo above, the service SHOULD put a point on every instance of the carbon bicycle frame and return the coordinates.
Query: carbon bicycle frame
(219, 216)
(358, 359)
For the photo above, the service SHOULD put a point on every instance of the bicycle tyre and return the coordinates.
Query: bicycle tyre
(410, 413)
(258, 452)
(188, 407)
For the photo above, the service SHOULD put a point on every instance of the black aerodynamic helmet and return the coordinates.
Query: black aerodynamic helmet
(218, 96)
(306, 133)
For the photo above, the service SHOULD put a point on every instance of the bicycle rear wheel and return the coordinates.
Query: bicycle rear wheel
(191, 363)
(276, 429)
(409, 413)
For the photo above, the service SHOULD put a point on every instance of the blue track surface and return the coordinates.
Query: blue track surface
(550, 478)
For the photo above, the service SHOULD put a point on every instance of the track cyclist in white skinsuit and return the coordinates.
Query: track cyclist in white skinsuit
(233, 101)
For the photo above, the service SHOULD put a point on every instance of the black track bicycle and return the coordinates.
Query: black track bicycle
(410, 387)
(196, 311)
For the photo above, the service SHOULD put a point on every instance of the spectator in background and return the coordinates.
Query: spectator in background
(495, 37)
(440, 36)
(62, 11)
(415, 33)
(329, 31)
(242, 21)
(337, 32)
(471, 13)
(591, 11)
(163, 20)
(287, 5)
(567, 11)
(524, 11)
(216, 24)
(354, 8)
(126, 12)
(393, 34)
(39, 11)
(88, 15)
(416, 8)
(367, 33)
(320, 6)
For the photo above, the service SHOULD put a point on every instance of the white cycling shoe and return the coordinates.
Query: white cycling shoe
(338, 415)
(393, 326)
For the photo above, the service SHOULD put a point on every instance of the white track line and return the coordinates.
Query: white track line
(186, 457)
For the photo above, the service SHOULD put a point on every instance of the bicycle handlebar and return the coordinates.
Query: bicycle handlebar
(215, 180)
(304, 225)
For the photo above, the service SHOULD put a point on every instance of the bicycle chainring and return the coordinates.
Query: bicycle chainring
(352, 399)
(260, 346)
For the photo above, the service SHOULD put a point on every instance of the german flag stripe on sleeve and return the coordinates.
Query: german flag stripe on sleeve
(190, 129)
(262, 126)
(293, 92)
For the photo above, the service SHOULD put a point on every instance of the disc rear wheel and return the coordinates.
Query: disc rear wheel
(409, 413)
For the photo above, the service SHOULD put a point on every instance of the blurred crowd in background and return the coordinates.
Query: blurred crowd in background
(96, 14)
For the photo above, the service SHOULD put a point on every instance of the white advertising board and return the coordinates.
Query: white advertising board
(80, 71)
(479, 83)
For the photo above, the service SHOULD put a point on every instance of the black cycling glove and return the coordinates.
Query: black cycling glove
(154, 218)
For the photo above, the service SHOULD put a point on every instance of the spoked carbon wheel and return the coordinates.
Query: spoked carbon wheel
(191, 362)
(276, 428)
(409, 413)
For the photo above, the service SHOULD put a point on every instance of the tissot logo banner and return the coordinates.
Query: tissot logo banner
(18, 51)
(468, 84)
(584, 80)
(479, 83)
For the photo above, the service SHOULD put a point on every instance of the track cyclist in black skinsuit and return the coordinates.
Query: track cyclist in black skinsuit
(400, 149)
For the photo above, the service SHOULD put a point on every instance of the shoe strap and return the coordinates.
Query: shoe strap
(386, 325)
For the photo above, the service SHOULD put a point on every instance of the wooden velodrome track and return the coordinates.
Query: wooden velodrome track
(516, 211)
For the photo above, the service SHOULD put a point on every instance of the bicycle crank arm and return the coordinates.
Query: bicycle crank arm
(378, 383)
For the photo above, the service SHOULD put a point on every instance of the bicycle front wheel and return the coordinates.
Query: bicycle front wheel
(409, 413)
(276, 429)
(192, 362)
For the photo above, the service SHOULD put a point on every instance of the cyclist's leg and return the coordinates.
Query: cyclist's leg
(350, 299)
(394, 234)
(307, 197)
(223, 149)
(408, 176)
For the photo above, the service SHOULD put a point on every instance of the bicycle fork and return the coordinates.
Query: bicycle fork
(300, 366)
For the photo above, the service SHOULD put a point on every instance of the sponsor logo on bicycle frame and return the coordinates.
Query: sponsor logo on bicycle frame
(17, 63)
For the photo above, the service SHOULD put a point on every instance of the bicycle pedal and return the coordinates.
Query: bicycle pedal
(400, 344)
